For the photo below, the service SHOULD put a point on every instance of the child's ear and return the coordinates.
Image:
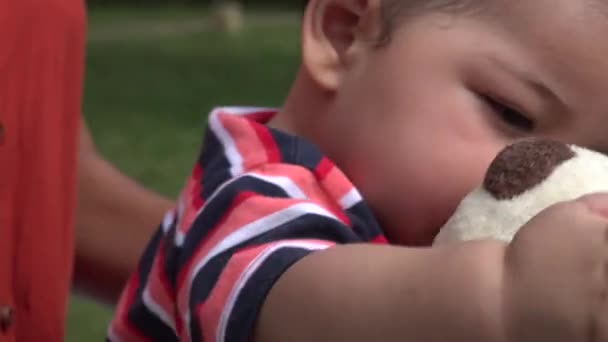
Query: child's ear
(332, 33)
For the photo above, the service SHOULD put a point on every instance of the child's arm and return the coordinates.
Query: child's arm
(379, 293)
(259, 263)
(547, 285)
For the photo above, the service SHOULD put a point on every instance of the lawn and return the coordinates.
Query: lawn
(147, 96)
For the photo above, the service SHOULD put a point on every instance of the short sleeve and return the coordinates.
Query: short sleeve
(208, 282)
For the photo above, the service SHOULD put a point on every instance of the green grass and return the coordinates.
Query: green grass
(146, 102)
(107, 16)
(117, 16)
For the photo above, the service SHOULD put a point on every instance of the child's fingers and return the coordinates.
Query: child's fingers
(559, 261)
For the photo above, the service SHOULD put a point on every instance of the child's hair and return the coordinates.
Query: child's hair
(395, 10)
(392, 10)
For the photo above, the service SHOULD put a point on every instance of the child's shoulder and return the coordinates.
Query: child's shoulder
(239, 144)
(257, 201)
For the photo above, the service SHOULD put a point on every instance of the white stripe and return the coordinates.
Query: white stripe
(250, 231)
(187, 319)
(284, 183)
(350, 199)
(179, 239)
(237, 110)
(179, 213)
(168, 220)
(232, 153)
(287, 185)
(249, 272)
(259, 227)
(179, 236)
(156, 309)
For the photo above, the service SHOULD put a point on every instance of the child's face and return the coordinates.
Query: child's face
(411, 122)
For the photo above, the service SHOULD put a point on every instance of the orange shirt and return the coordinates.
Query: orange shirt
(41, 66)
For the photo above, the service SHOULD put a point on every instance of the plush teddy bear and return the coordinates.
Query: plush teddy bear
(524, 179)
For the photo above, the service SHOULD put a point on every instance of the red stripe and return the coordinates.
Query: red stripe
(341, 215)
(161, 272)
(197, 175)
(211, 315)
(196, 317)
(380, 240)
(261, 116)
(122, 325)
(245, 141)
(273, 155)
(166, 287)
(183, 272)
(241, 262)
(323, 169)
(190, 199)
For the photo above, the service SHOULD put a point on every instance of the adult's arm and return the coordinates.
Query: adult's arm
(115, 218)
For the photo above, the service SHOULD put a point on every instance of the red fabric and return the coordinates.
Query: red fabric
(41, 65)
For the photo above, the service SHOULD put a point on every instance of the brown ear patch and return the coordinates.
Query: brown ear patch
(523, 165)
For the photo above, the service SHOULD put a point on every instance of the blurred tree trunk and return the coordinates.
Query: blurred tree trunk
(227, 15)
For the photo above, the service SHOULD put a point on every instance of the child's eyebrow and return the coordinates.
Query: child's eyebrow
(528, 78)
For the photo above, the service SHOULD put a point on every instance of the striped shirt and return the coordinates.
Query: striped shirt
(258, 200)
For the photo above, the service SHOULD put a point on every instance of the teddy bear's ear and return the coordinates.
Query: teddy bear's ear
(524, 164)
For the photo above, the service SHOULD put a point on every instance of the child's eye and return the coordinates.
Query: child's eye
(510, 116)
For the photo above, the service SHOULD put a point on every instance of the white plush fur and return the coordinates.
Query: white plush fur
(480, 216)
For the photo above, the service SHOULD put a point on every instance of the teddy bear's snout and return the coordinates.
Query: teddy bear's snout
(523, 165)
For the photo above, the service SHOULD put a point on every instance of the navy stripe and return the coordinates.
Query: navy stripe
(202, 285)
(196, 333)
(147, 260)
(171, 256)
(285, 143)
(247, 307)
(363, 221)
(149, 324)
(138, 315)
(307, 155)
(214, 163)
(309, 226)
(215, 210)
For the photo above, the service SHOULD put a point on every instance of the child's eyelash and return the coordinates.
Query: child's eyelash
(509, 115)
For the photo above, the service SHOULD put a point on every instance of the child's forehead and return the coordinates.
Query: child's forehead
(547, 13)
(566, 36)
(566, 43)
(561, 45)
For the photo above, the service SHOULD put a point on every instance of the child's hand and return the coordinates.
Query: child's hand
(556, 278)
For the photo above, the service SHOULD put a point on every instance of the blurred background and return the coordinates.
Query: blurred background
(156, 68)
